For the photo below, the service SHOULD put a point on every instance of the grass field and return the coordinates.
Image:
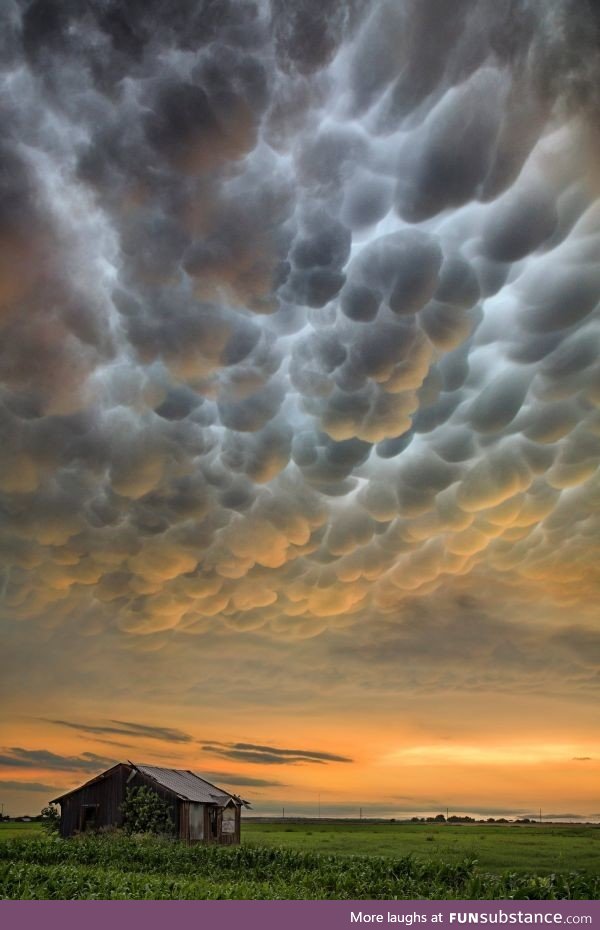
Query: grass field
(19, 831)
(310, 860)
(540, 849)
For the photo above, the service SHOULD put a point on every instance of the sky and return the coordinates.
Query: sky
(299, 400)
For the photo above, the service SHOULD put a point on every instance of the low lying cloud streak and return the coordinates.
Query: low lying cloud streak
(44, 759)
(124, 728)
(231, 778)
(271, 755)
(34, 786)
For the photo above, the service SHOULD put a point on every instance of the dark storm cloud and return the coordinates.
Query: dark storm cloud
(271, 755)
(44, 759)
(298, 310)
(123, 728)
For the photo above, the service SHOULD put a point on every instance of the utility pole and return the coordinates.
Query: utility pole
(540, 814)
(360, 814)
(283, 813)
(446, 813)
(319, 803)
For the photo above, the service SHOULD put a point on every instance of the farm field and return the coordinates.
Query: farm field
(33, 866)
(541, 849)
(20, 831)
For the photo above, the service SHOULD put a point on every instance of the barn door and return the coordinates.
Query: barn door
(88, 817)
(196, 822)
(228, 822)
(213, 816)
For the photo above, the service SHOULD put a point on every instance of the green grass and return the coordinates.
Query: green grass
(20, 831)
(539, 849)
(109, 867)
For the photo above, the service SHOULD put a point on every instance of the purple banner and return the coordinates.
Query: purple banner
(293, 915)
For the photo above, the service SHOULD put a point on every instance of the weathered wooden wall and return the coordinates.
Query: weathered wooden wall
(108, 793)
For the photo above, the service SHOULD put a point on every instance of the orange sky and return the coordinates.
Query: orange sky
(299, 339)
(489, 750)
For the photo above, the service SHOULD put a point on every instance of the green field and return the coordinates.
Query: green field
(310, 860)
(540, 849)
(20, 831)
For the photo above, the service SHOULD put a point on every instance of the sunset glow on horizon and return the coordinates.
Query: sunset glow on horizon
(299, 397)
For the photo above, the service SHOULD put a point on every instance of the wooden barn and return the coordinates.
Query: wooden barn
(201, 812)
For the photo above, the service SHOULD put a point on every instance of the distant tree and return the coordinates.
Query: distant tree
(50, 818)
(440, 818)
(144, 811)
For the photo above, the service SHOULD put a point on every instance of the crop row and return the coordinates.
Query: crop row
(117, 867)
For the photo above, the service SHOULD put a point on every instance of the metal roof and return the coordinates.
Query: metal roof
(187, 785)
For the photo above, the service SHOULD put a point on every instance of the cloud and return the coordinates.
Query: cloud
(125, 728)
(232, 778)
(241, 318)
(44, 759)
(27, 786)
(271, 755)
(567, 816)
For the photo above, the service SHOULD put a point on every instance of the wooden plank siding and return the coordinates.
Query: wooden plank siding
(108, 793)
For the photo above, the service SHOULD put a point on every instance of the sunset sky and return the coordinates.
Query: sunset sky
(299, 389)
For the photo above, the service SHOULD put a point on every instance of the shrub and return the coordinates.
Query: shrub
(144, 811)
(50, 818)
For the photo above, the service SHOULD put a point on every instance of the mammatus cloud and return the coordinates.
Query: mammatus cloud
(312, 299)
(44, 759)
(126, 728)
(270, 755)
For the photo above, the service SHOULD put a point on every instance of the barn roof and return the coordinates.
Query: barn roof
(187, 785)
(183, 783)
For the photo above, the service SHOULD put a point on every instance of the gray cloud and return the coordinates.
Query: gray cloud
(232, 778)
(271, 755)
(567, 816)
(33, 786)
(123, 728)
(16, 757)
